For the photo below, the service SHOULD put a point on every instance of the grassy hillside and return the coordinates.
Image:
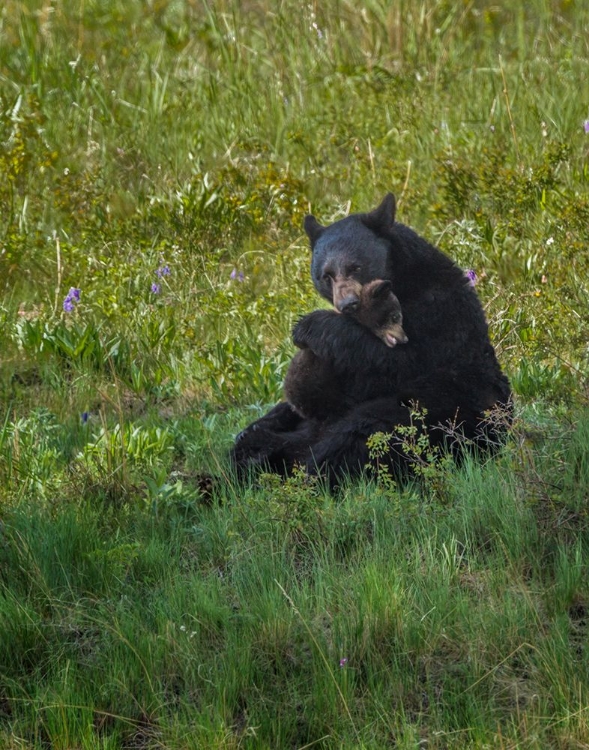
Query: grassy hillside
(156, 161)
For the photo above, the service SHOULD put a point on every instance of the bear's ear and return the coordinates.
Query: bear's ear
(313, 228)
(381, 220)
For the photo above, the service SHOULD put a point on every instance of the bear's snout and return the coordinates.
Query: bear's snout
(346, 295)
(348, 305)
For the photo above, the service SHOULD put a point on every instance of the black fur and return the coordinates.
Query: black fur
(448, 364)
(313, 385)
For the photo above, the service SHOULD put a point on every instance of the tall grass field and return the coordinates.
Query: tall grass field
(157, 158)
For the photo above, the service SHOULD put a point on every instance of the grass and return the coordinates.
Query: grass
(282, 618)
(137, 609)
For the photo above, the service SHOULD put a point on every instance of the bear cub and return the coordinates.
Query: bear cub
(313, 387)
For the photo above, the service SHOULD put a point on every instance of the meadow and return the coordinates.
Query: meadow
(157, 158)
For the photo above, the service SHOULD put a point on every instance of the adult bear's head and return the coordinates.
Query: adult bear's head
(350, 253)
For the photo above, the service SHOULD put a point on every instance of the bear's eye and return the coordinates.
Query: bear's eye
(327, 278)
(354, 269)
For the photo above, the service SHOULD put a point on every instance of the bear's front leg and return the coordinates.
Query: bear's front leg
(340, 340)
(318, 331)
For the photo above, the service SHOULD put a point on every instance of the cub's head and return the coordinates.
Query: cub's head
(350, 253)
(380, 311)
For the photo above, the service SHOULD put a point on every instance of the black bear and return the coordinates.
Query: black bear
(448, 364)
(313, 387)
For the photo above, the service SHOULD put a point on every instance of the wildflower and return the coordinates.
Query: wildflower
(586, 126)
(343, 661)
(156, 288)
(471, 276)
(163, 271)
(73, 296)
(317, 30)
(550, 241)
(235, 274)
(544, 279)
(85, 416)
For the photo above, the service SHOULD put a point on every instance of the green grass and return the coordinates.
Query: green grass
(462, 622)
(136, 611)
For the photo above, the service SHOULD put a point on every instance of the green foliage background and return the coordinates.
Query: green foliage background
(139, 137)
(199, 135)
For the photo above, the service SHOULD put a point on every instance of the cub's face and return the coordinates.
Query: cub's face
(346, 256)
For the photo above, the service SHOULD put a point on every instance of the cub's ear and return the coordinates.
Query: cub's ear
(380, 288)
(381, 220)
(313, 228)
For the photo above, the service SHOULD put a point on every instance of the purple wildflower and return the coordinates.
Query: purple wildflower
(235, 274)
(69, 302)
(471, 276)
(85, 416)
(586, 126)
(163, 271)
(156, 288)
(343, 661)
